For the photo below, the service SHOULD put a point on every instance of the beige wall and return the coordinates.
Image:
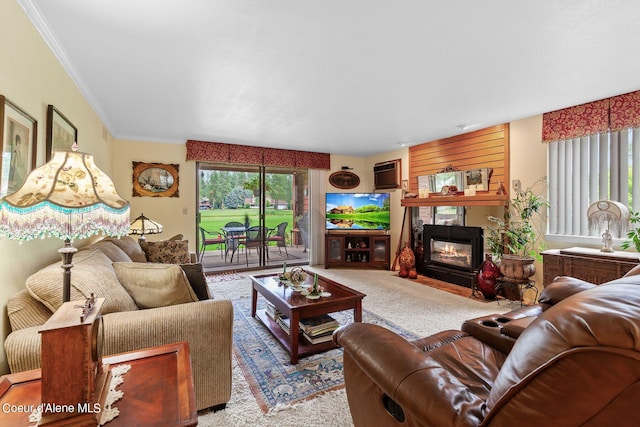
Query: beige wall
(31, 77)
(176, 214)
(528, 164)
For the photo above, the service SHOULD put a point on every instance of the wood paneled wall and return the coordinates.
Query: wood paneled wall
(485, 148)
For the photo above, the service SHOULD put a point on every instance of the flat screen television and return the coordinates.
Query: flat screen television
(357, 211)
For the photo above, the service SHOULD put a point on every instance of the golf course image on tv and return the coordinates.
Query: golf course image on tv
(357, 211)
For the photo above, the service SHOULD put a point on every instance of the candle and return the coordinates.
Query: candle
(284, 267)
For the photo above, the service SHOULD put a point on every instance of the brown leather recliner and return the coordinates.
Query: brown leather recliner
(576, 364)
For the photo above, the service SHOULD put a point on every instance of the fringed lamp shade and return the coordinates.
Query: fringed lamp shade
(69, 198)
(609, 216)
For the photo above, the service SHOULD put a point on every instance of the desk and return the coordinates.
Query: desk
(158, 390)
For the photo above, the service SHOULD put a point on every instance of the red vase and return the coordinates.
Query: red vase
(486, 278)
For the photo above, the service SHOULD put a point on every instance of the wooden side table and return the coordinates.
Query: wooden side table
(158, 390)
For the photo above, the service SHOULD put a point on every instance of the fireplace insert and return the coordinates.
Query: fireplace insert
(452, 253)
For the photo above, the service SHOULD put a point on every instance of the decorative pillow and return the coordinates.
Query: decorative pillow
(144, 244)
(91, 273)
(109, 249)
(169, 251)
(197, 280)
(130, 246)
(155, 285)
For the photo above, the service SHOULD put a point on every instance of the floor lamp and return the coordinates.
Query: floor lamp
(68, 198)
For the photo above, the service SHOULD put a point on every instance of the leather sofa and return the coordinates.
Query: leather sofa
(206, 324)
(571, 360)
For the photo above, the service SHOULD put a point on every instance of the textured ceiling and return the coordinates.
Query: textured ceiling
(353, 77)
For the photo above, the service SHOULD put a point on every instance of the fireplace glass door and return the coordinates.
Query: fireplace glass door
(451, 254)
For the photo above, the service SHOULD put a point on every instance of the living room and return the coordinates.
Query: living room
(32, 77)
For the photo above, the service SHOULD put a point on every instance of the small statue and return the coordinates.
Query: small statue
(607, 241)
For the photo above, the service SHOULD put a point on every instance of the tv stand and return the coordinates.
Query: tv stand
(357, 249)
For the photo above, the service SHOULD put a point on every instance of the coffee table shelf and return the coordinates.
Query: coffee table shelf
(305, 348)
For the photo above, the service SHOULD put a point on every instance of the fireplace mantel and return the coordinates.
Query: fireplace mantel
(477, 200)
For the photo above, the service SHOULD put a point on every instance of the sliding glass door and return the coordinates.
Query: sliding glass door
(251, 217)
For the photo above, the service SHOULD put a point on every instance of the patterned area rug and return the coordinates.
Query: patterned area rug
(223, 277)
(276, 383)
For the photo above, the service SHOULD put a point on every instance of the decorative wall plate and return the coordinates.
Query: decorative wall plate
(344, 180)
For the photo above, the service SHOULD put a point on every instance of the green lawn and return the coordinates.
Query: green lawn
(214, 219)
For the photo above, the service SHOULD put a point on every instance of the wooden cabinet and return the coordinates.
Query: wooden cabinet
(587, 264)
(158, 390)
(358, 250)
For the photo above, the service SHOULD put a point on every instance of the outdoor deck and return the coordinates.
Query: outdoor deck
(213, 261)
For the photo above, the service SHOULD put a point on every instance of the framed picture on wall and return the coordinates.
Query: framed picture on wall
(61, 133)
(19, 142)
(479, 178)
(155, 179)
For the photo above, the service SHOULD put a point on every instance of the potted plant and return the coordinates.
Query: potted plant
(634, 234)
(254, 185)
(514, 239)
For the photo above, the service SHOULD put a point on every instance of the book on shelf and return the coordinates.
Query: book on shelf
(284, 323)
(327, 336)
(272, 311)
(313, 329)
(318, 325)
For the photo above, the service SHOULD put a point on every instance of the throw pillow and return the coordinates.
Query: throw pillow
(144, 244)
(197, 280)
(110, 249)
(130, 246)
(169, 251)
(92, 272)
(155, 285)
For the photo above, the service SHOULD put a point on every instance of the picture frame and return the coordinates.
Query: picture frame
(344, 180)
(155, 179)
(19, 142)
(478, 178)
(61, 133)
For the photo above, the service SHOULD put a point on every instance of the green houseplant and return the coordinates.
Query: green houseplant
(634, 234)
(514, 239)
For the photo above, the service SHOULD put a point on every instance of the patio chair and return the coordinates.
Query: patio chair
(234, 234)
(210, 238)
(279, 237)
(255, 238)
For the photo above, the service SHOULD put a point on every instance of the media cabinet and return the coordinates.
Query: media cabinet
(357, 249)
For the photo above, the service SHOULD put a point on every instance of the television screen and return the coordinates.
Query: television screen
(358, 211)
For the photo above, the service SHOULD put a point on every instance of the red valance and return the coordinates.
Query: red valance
(207, 151)
(610, 114)
(625, 111)
(217, 152)
(574, 122)
(278, 157)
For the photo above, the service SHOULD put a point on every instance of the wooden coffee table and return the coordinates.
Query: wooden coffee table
(296, 306)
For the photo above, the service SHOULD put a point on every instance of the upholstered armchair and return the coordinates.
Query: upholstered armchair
(576, 362)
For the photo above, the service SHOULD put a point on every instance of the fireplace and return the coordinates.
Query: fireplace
(452, 253)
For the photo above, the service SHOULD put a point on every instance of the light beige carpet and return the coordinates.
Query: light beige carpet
(409, 304)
